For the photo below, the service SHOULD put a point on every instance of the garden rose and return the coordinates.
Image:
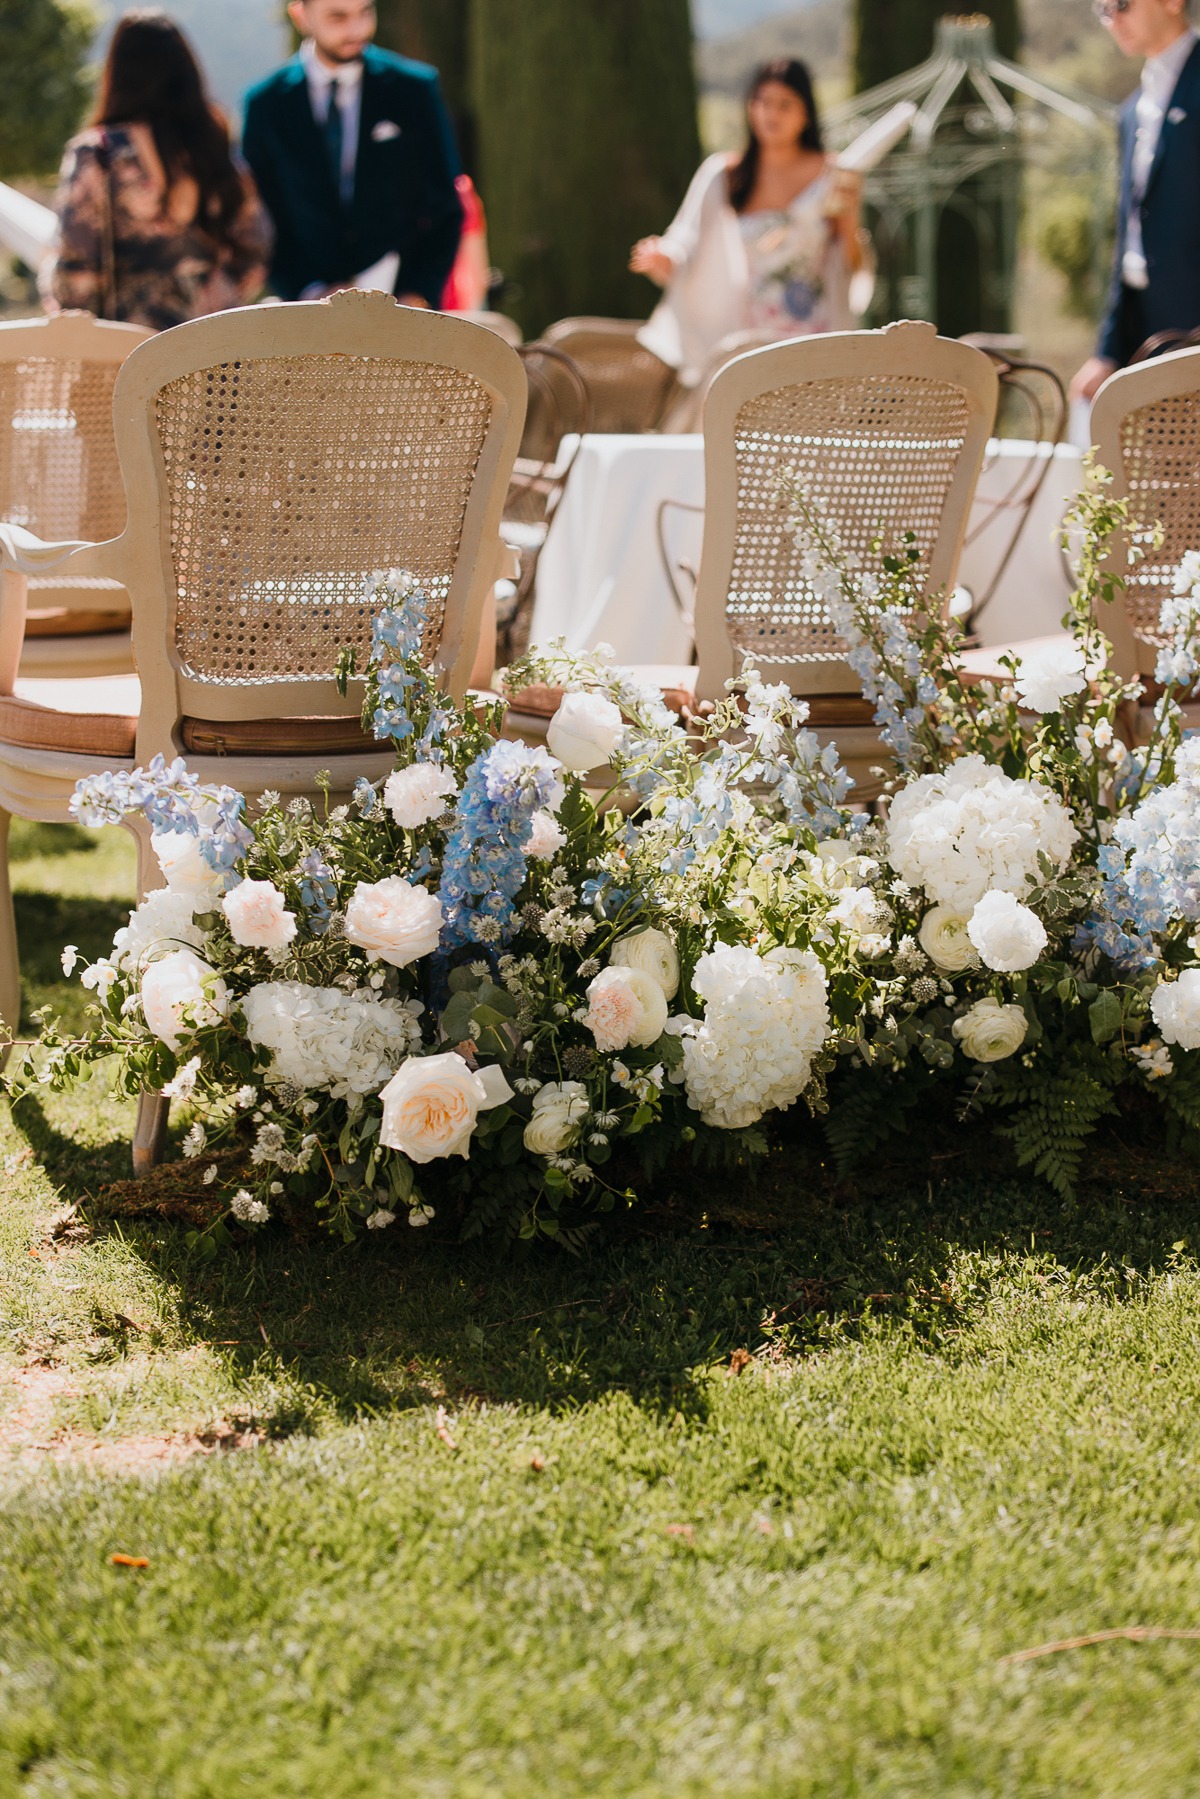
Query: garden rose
(944, 939)
(1176, 1009)
(1050, 675)
(653, 953)
(419, 793)
(989, 1032)
(1008, 936)
(257, 916)
(547, 836)
(625, 1007)
(432, 1103)
(181, 983)
(559, 1109)
(394, 921)
(584, 731)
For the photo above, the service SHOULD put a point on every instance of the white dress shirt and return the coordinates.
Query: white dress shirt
(321, 79)
(1160, 75)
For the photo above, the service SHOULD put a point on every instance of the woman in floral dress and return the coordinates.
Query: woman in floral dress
(765, 242)
(157, 222)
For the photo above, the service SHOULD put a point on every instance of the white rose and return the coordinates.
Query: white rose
(184, 869)
(1051, 675)
(584, 731)
(257, 915)
(418, 794)
(625, 1007)
(1176, 1009)
(547, 836)
(1007, 934)
(394, 921)
(944, 939)
(559, 1109)
(177, 985)
(653, 953)
(432, 1103)
(989, 1031)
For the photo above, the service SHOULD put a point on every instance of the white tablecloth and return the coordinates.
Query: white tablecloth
(600, 578)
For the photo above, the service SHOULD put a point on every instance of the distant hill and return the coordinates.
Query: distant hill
(238, 41)
(723, 18)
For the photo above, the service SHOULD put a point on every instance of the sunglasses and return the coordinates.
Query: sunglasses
(1107, 10)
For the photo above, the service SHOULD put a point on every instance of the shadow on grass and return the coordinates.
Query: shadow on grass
(698, 1273)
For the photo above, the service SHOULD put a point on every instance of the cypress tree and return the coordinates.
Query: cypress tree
(433, 31)
(587, 137)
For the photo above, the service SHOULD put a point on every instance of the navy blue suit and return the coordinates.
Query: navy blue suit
(404, 196)
(1170, 226)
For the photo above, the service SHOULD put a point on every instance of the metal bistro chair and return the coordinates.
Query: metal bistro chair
(59, 479)
(629, 387)
(887, 430)
(275, 457)
(558, 415)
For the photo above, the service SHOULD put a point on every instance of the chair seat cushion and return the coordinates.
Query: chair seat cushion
(277, 737)
(93, 715)
(65, 621)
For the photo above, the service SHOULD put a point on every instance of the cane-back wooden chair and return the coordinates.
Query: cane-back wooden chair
(629, 387)
(887, 431)
(274, 458)
(59, 479)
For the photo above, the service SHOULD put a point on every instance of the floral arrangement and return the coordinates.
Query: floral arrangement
(482, 985)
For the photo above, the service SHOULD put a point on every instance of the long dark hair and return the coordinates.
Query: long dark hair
(151, 75)
(790, 73)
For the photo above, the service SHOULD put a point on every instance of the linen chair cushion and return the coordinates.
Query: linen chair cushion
(64, 621)
(277, 737)
(89, 716)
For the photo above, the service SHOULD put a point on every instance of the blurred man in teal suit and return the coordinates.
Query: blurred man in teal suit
(353, 152)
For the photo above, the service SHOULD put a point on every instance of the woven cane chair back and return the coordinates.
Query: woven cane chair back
(629, 388)
(1146, 427)
(293, 452)
(886, 430)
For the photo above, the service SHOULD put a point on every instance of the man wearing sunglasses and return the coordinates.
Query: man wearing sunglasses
(1156, 279)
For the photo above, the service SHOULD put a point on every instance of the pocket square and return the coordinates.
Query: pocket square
(1176, 115)
(384, 131)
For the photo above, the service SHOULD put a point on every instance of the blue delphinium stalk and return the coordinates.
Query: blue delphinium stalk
(483, 866)
(171, 798)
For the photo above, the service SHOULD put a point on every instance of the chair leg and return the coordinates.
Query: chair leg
(10, 961)
(150, 1131)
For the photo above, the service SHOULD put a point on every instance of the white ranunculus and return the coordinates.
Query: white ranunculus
(184, 868)
(432, 1103)
(181, 983)
(394, 921)
(419, 793)
(971, 828)
(1008, 936)
(625, 1007)
(653, 952)
(1051, 674)
(990, 1032)
(257, 915)
(559, 1109)
(1176, 1009)
(547, 836)
(944, 939)
(584, 731)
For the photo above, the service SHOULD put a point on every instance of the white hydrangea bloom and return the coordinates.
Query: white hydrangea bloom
(1175, 1006)
(322, 1037)
(765, 1018)
(163, 922)
(973, 828)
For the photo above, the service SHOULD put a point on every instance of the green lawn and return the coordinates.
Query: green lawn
(970, 1426)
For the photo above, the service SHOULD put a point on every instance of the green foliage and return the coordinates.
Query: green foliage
(586, 113)
(433, 31)
(1056, 1103)
(1066, 237)
(44, 48)
(871, 1107)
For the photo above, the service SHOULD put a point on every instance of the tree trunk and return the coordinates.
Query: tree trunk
(587, 137)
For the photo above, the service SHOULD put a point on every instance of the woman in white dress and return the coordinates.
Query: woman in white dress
(765, 242)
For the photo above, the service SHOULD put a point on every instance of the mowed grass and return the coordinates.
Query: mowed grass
(969, 1425)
